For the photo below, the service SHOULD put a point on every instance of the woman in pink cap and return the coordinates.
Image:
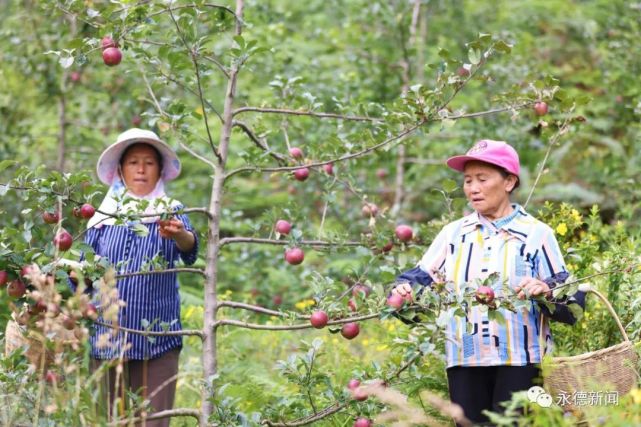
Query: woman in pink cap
(136, 168)
(487, 361)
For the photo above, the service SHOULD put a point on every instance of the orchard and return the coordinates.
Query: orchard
(312, 138)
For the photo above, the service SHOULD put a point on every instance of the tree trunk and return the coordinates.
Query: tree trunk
(210, 358)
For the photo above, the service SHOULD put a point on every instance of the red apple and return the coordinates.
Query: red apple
(541, 108)
(90, 312)
(68, 322)
(396, 301)
(301, 174)
(362, 290)
(319, 319)
(381, 173)
(107, 42)
(283, 227)
(63, 240)
(353, 383)
(50, 217)
(75, 76)
(16, 288)
(87, 211)
(26, 270)
(359, 394)
(404, 233)
(277, 300)
(328, 168)
(112, 56)
(294, 256)
(52, 378)
(463, 72)
(136, 120)
(296, 152)
(4, 277)
(484, 295)
(362, 422)
(388, 247)
(369, 210)
(350, 330)
(352, 305)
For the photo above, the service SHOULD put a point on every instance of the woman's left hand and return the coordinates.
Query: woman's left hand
(170, 228)
(533, 287)
(174, 229)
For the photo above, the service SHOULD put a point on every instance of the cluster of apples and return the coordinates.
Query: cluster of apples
(38, 303)
(63, 240)
(302, 173)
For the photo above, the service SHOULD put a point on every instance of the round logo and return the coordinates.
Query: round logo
(478, 147)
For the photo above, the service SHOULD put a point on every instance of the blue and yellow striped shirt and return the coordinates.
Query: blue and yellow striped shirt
(516, 247)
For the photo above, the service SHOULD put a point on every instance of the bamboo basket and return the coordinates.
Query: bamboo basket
(609, 370)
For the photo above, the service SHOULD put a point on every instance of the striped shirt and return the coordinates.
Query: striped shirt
(152, 301)
(515, 247)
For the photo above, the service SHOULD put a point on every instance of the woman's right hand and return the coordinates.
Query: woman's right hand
(404, 290)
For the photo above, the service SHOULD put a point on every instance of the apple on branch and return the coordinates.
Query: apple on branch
(319, 319)
(350, 330)
(404, 233)
(283, 227)
(294, 256)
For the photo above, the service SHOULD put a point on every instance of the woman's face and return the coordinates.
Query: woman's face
(486, 189)
(140, 169)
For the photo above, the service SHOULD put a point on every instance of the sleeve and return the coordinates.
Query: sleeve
(92, 237)
(191, 256)
(551, 270)
(429, 268)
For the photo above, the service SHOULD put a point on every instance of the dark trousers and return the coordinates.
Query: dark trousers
(153, 379)
(480, 388)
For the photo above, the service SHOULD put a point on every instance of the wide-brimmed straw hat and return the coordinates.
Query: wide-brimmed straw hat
(498, 153)
(109, 161)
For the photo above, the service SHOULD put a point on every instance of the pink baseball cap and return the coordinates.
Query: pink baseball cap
(498, 153)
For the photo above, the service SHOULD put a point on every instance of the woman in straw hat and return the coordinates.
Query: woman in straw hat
(487, 361)
(136, 168)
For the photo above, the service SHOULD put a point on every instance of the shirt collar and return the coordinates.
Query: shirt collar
(513, 224)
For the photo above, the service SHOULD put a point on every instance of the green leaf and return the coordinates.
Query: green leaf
(501, 46)
(449, 185)
(474, 56)
(6, 163)
(140, 230)
(240, 41)
(66, 62)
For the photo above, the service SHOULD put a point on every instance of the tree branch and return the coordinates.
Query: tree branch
(260, 144)
(340, 159)
(247, 325)
(194, 61)
(196, 155)
(306, 113)
(256, 309)
(184, 332)
(332, 409)
(168, 270)
(553, 140)
(365, 151)
(178, 412)
(229, 240)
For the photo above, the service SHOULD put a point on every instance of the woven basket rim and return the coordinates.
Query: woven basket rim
(617, 348)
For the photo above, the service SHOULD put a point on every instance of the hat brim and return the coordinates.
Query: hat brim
(107, 167)
(458, 162)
